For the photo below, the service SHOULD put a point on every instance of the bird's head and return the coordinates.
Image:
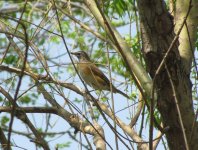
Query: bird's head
(81, 55)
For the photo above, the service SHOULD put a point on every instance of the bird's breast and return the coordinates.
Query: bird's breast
(87, 74)
(84, 69)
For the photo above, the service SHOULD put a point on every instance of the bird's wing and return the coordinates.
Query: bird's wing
(99, 73)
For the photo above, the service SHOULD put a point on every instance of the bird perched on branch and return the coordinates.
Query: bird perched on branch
(93, 76)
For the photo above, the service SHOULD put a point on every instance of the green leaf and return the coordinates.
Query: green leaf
(65, 26)
(55, 39)
(77, 100)
(104, 99)
(25, 99)
(11, 59)
(72, 35)
(4, 120)
(63, 145)
(1, 98)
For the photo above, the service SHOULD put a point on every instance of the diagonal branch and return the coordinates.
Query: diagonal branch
(3, 140)
(139, 109)
(23, 117)
(131, 61)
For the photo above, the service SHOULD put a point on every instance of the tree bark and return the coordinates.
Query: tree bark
(158, 34)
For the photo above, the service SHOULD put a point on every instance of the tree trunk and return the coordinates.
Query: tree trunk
(158, 34)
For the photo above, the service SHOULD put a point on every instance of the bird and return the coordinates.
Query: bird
(92, 75)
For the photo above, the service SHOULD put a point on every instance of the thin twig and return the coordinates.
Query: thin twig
(20, 77)
(64, 41)
(159, 69)
(196, 71)
(177, 106)
(139, 109)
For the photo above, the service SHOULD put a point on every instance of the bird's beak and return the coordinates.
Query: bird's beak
(74, 53)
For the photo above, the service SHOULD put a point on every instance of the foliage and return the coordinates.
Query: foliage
(49, 64)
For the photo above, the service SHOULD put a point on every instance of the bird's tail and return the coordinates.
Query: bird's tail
(122, 93)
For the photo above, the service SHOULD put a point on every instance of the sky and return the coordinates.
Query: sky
(57, 123)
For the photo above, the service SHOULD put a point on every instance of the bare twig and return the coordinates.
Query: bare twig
(3, 140)
(158, 71)
(20, 77)
(23, 117)
(177, 106)
(139, 109)
(159, 137)
(142, 121)
(196, 71)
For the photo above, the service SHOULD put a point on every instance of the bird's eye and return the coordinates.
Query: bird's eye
(78, 55)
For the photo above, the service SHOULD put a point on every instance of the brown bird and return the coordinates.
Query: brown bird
(93, 76)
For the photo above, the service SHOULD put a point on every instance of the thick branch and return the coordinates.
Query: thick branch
(3, 140)
(52, 110)
(22, 116)
(126, 128)
(131, 61)
(188, 34)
